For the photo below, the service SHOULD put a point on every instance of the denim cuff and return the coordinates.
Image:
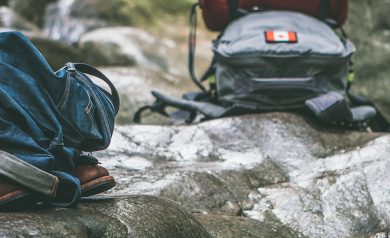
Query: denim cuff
(68, 192)
(28, 175)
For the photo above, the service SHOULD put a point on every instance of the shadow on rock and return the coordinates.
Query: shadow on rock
(131, 216)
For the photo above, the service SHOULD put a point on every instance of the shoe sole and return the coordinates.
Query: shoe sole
(97, 186)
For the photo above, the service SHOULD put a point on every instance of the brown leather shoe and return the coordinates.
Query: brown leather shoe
(94, 179)
(11, 193)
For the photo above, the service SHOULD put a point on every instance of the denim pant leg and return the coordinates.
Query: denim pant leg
(17, 143)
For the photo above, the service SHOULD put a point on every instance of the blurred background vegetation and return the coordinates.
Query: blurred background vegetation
(143, 13)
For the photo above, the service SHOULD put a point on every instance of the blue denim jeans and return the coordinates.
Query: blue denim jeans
(46, 117)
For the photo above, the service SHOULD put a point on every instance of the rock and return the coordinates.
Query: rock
(132, 216)
(10, 19)
(56, 52)
(127, 45)
(268, 175)
(234, 226)
(62, 24)
(108, 54)
(32, 10)
(380, 235)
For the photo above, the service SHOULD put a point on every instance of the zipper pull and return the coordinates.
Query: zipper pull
(70, 67)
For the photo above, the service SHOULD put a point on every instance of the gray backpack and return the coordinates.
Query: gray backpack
(278, 60)
(275, 60)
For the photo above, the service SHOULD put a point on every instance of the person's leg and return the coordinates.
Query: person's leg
(28, 165)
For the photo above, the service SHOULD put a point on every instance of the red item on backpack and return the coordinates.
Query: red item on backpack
(216, 13)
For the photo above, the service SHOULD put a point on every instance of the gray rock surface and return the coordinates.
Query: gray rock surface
(130, 216)
(268, 175)
(128, 45)
(276, 171)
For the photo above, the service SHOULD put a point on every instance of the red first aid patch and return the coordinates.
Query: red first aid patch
(281, 37)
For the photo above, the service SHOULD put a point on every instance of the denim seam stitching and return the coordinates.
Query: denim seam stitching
(87, 110)
(89, 105)
(65, 96)
(95, 96)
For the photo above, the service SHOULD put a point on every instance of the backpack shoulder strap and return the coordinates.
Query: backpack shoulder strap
(209, 110)
(325, 6)
(192, 47)
(233, 9)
